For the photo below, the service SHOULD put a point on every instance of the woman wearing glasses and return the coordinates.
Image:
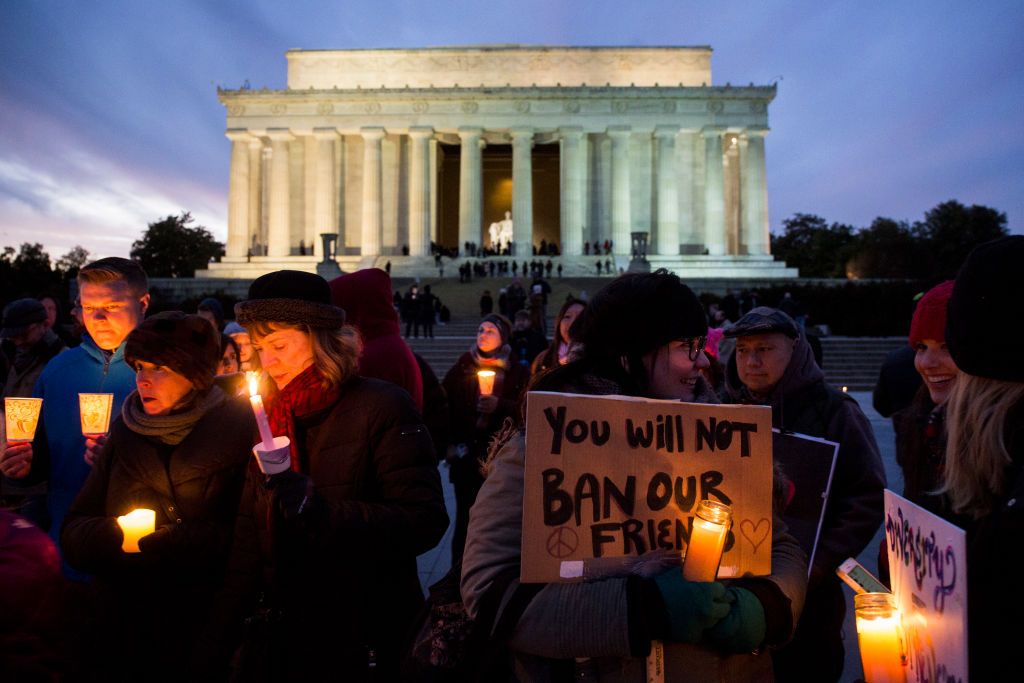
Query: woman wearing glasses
(642, 335)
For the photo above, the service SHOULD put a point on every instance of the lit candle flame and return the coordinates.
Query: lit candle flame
(253, 377)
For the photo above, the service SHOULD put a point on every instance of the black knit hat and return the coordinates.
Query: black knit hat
(291, 297)
(184, 343)
(637, 313)
(18, 315)
(502, 323)
(985, 317)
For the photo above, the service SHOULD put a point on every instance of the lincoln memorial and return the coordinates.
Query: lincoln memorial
(392, 150)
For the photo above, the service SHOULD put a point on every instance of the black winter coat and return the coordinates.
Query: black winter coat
(336, 590)
(154, 603)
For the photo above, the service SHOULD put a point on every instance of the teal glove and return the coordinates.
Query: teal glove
(692, 607)
(744, 628)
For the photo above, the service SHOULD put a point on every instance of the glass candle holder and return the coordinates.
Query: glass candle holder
(707, 540)
(878, 634)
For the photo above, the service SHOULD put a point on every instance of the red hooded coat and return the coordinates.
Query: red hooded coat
(366, 297)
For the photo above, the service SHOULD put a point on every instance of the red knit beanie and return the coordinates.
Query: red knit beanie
(929, 321)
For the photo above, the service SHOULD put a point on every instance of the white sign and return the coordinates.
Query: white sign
(928, 572)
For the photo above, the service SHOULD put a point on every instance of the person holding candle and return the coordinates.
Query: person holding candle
(114, 297)
(476, 416)
(26, 326)
(983, 475)
(178, 451)
(642, 335)
(324, 560)
(773, 364)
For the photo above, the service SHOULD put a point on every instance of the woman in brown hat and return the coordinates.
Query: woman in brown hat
(330, 544)
(179, 448)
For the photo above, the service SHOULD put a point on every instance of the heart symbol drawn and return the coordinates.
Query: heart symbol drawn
(756, 533)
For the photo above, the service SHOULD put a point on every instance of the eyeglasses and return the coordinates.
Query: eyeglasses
(695, 345)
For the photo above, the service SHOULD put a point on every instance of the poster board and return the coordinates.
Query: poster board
(614, 476)
(809, 464)
(928, 574)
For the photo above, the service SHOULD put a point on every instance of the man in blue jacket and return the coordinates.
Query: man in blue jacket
(114, 296)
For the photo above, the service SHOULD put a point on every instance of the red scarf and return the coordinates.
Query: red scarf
(303, 395)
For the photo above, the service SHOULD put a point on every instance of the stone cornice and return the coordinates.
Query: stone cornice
(249, 95)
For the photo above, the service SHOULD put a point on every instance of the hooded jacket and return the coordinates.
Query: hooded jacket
(803, 402)
(366, 297)
(59, 447)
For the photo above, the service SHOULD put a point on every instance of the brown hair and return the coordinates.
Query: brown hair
(335, 351)
(976, 455)
(115, 269)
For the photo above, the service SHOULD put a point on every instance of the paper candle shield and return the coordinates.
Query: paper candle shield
(22, 416)
(95, 413)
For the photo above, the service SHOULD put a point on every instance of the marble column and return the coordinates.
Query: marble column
(572, 191)
(714, 192)
(419, 191)
(622, 214)
(325, 205)
(667, 238)
(470, 187)
(238, 195)
(686, 144)
(279, 211)
(522, 192)
(754, 193)
(255, 195)
(372, 200)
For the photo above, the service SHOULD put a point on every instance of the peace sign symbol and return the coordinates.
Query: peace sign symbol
(562, 542)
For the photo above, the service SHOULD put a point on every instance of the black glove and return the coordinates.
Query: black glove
(292, 493)
(158, 543)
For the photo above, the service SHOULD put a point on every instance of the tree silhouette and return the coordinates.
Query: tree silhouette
(172, 248)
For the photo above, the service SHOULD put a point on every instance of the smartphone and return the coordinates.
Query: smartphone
(858, 578)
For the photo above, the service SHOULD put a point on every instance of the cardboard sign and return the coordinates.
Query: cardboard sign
(614, 476)
(809, 463)
(928, 571)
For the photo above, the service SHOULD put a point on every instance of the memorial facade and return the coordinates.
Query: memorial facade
(393, 150)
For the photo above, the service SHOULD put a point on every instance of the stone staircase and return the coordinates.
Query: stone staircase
(852, 362)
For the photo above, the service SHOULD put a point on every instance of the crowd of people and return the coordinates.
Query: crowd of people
(295, 559)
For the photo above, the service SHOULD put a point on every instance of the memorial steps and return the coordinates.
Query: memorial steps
(852, 362)
(750, 269)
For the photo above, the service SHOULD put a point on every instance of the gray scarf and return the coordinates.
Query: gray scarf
(173, 428)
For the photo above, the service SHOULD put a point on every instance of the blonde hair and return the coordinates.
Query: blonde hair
(976, 454)
(115, 269)
(335, 352)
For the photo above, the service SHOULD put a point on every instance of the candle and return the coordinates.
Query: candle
(94, 410)
(256, 400)
(878, 634)
(486, 380)
(22, 416)
(704, 551)
(136, 524)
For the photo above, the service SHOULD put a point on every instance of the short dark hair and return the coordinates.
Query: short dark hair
(114, 269)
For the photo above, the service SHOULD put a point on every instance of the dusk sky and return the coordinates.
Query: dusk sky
(109, 117)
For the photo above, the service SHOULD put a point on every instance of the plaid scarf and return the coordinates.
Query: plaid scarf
(304, 395)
